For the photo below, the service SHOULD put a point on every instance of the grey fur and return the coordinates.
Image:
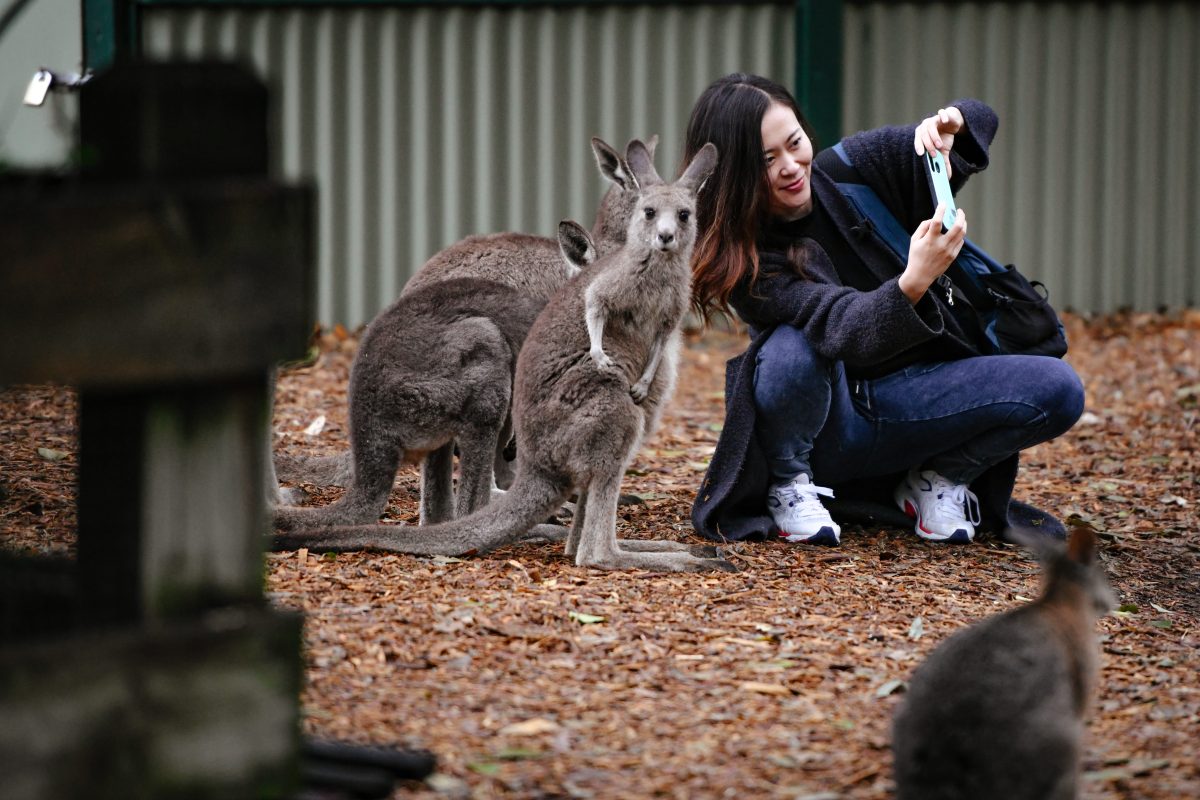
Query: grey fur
(577, 414)
(533, 265)
(433, 369)
(997, 710)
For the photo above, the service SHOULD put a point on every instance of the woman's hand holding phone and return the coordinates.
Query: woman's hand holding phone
(937, 133)
(931, 252)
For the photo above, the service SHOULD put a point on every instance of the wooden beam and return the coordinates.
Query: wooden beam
(137, 284)
(200, 710)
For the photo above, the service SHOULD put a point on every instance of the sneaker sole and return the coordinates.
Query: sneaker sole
(960, 536)
(826, 536)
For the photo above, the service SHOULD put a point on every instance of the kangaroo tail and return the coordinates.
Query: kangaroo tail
(335, 470)
(532, 498)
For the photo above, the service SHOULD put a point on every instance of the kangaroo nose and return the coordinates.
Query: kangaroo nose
(666, 238)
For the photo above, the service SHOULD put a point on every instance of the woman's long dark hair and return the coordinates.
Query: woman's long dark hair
(733, 205)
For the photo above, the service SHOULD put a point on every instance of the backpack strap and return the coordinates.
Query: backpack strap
(868, 204)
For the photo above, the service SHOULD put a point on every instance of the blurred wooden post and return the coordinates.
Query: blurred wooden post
(165, 283)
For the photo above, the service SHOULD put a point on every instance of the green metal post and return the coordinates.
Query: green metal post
(109, 32)
(819, 66)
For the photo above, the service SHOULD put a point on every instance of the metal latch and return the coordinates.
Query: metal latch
(44, 80)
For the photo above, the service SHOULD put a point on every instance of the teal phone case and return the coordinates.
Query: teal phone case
(939, 186)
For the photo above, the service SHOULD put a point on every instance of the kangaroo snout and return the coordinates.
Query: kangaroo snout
(664, 238)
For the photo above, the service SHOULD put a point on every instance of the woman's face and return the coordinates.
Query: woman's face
(787, 153)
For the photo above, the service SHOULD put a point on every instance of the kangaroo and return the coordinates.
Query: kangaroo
(594, 371)
(433, 369)
(997, 710)
(534, 265)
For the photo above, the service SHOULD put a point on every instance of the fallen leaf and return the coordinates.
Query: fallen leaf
(584, 619)
(51, 454)
(530, 727)
(484, 767)
(765, 688)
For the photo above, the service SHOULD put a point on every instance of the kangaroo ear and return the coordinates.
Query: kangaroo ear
(612, 166)
(641, 163)
(1081, 547)
(702, 165)
(651, 143)
(575, 244)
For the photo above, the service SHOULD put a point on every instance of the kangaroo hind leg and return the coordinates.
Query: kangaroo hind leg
(502, 467)
(375, 463)
(577, 519)
(599, 547)
(437, 485)
(476, 457)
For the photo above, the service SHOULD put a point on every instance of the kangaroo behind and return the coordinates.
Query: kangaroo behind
(591, 379)
(997, 710)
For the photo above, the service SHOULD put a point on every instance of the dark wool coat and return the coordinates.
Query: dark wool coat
(860, 328)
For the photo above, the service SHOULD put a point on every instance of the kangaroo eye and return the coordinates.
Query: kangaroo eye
(649, 213)
(684, 215)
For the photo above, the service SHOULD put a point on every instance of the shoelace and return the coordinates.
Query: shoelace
(805, 494)
(955, 499)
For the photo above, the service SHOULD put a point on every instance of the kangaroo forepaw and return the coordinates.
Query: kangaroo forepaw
(603, 362)
(638, 392)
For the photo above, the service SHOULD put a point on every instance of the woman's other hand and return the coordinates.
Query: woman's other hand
(930, 252)
(937, 133)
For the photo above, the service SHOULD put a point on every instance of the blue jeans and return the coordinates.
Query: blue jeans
(955, 417)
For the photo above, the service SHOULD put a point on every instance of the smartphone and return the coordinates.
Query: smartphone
(939, 186)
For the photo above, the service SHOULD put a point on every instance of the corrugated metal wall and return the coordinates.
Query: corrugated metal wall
(1094, 176)
(425, 124)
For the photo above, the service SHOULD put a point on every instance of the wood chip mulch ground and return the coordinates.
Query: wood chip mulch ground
(529, 677)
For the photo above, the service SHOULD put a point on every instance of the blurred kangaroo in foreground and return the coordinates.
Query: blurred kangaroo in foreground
(591, 379)
(997, 710)
(433, 369)
(533, 265)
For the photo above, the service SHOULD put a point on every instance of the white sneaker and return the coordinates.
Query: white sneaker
(798, 512)
(944, 511)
